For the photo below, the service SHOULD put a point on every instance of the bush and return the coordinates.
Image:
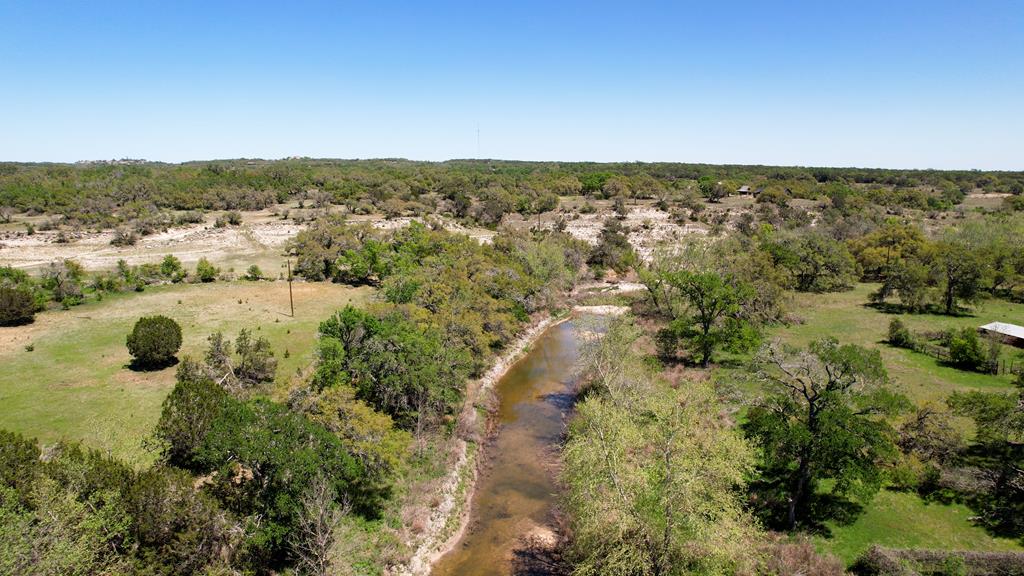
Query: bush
(254, 273)
(17, 306)
(205, 271)
(900, 336)
(966, 350)
(171, 268)
(800, 557)
(234, 218)
(154, 341)
(123, 237)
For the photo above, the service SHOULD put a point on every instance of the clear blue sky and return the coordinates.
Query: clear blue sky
(892, 84)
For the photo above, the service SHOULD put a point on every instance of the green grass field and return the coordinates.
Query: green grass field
(898, 519)
(75, 384)
(919, 376)
(902, 520)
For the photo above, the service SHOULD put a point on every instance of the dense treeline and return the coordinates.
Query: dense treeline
(656, 476)
(103, 194)
(823, 428)
(449, 302)
(244, 483)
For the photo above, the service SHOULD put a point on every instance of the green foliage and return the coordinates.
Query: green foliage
(815, 262)
(900, 336)
(947, 273)
(19, 463)
(61, 534)
(368, 435)
(17, 305)
(180, 529)
(171, 268)
(707, 308)
(966, 350)
(613, 249)
(817, 421)
(205, 271)
(154, 341)
(263, 455)
(254, 273)
(188, 414)
(652, 474)
(397, 367)
(999, 420)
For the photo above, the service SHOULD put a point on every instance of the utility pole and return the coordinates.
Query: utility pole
(291, 300)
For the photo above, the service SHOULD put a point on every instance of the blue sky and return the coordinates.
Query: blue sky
(890, 84)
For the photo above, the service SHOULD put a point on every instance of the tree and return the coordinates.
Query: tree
(369, 435)
(960, 273)
(816, 262)
(187, 414)
(265, 456)
(819, 420)
(63, 278)
(613, 249)
(712, 190)
(398, 367)
(880, 251)
(999, 423)
(17, 305)
(712, 304)
(182, 528)
(653, 474)
(171, 268)
(154, 341)
(314, 536)
(61, 533)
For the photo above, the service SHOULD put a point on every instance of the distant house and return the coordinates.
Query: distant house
(1008, 333)
(743, 190)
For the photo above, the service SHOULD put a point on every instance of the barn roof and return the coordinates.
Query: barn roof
(1005, 329)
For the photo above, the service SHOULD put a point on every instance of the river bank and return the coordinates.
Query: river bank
(449, 519)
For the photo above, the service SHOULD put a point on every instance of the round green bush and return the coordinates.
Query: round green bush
(17, 306)
(154, 341)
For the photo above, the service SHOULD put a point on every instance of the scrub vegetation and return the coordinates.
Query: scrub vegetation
(800, 376)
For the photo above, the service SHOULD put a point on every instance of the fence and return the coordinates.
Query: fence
(998, 367)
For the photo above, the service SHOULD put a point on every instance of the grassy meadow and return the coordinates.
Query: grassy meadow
(898, 519)
(75, 384)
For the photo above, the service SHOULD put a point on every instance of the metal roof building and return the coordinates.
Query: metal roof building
(1011, 333)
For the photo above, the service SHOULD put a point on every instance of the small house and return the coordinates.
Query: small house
(1009, 333)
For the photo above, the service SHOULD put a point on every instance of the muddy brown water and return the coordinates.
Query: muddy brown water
(516, 492)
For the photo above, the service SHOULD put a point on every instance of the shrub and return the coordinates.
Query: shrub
(254, 273)
(171, 268)
(123, 237)
(799, 557)
(900, 336)
(154, 341)
(966, 350)
(17, 306)
(205, 271)
(234, 218)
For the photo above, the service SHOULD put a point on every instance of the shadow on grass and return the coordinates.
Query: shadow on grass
(769, 505)
(136, 366)
(897, 309)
